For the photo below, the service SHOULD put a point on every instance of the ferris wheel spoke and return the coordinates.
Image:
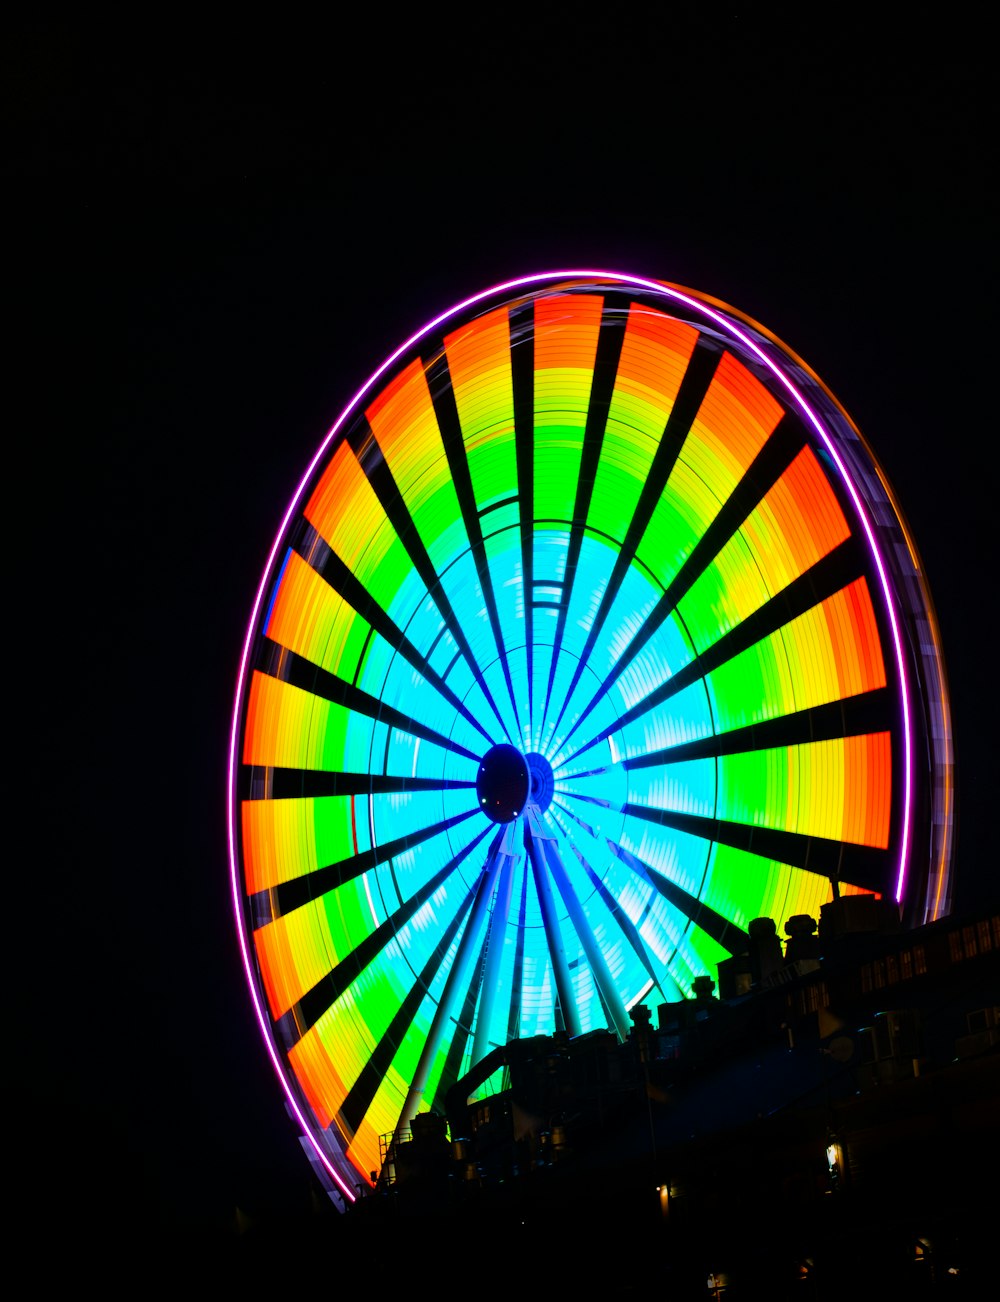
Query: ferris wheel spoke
(782, 446)
(517, 972)
(379, 476)
(624, 923)
(609, 347)
(773, 459)
(853, 716)
(553, 936)
(491, 960)
(360, 1096)
(721, 929)
(443, 398)
(522, 367)
(694, 385)
(458, 1048)
(308, 677)
(562, 810)
(475, 1018)
(468, 963)
(314, 1002)
(601, 802)
(829, 576)
(329, 566)
(856, 863)
(610, 996)
(285, 897)
(288, 783)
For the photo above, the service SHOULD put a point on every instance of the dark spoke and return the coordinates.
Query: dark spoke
(456, 1049)
(325, 993)
(571, 813)
(861, 865)
(446, 410)
(609, 349)
(377, 471)
(854, 716)
(362, 1092)
(522, 367)
(693, 388)
(772, 460)
(289, 784)
(516, 992)
(608, 991)
(328, 565)
(492, 959)
(299, 672)
(288, 896)
(442, 1015)
(553, 935)
(625, 924)
(724, 932)
(828, 576)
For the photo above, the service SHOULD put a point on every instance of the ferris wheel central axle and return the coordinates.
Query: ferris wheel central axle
(508, 780)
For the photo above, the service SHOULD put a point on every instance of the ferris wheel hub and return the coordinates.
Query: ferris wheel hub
(503, 783)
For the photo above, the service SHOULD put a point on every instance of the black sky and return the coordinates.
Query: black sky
(220, 234)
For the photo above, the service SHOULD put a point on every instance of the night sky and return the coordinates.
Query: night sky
(220, 235)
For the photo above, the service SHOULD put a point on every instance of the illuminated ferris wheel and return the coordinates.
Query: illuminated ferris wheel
(592, 633)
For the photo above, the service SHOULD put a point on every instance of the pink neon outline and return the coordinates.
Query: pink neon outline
(728, 326)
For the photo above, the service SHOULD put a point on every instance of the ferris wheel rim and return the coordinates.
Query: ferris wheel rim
(526, 284)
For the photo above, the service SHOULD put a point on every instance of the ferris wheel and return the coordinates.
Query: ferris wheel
(593, 633)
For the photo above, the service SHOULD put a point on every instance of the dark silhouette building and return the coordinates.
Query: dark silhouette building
(829, 1119)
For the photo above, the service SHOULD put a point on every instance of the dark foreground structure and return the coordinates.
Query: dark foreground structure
(829, 1122)
(825, 1124)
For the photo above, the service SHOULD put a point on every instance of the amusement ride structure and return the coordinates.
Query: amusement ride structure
(592, 634)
